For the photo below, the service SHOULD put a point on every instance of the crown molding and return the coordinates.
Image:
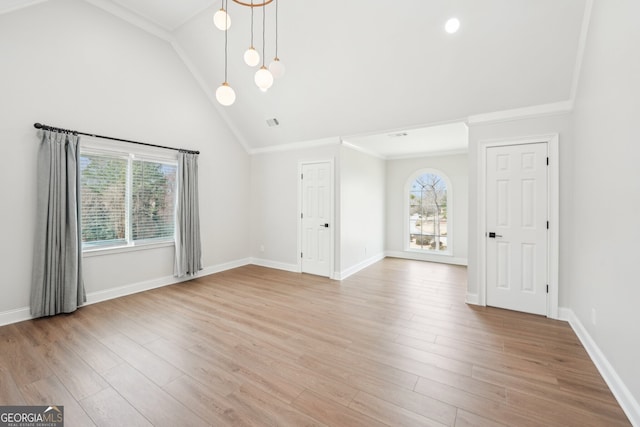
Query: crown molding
(362, 150)
(522, 113)
(132, 18)
(177, 47)
(21, 6)
(493, 117)
(153, 29)
(303, 145)
(582, 43)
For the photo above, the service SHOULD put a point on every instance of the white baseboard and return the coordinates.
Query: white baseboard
(24, 313)
(134, 288)
(472, 299)
(222, 267)
(294, 268)
(15, 316)
(627, 401)
(444, 259)
(147, 285)
(359, 266)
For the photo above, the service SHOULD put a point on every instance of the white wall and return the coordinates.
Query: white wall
(456, 168)
(606, 189)
(69, 64)
(560, 124)
(362, 210)
(273, 204)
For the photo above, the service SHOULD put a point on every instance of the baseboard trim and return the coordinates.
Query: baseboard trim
(473, 299)
(359, 266)
(443, 259)
(627, 401)
(15, 316)
(222, 267)
(134, 288)
(24, 313)
(294, 268)
(99, 296)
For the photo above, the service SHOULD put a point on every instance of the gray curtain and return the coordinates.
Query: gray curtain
(57, 285)
(188, 248)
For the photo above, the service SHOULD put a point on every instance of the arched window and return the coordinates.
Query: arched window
(429, 225)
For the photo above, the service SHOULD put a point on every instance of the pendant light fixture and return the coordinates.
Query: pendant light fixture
(251, 55)
(277, 67)
(264, 77)
(221, 18)
(225, 93)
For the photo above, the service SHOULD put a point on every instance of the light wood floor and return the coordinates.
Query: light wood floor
(393, 345)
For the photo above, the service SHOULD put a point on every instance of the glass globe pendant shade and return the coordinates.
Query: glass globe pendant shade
(263, 78)
(225, 94)
(277, 68)
(251, 57)
(221, 20)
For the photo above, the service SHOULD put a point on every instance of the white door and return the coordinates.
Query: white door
(316, 219)
(516, 233)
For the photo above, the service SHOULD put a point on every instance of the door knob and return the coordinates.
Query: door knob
(493, 235)
(325, 225)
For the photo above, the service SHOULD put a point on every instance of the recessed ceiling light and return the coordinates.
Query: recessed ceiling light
(452, 25)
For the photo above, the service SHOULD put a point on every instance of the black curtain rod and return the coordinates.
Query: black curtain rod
(46, 127)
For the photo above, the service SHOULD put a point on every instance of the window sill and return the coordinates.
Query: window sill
(86, 253)
(446, 253)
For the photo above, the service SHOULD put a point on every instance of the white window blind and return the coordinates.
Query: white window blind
(125, 199)
(153, 200)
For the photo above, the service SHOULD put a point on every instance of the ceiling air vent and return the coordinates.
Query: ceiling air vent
(398, 135)
(272, 122)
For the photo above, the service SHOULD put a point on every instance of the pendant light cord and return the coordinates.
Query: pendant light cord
(226, 31)
(263, 33)
(251, 24)
(276, 28)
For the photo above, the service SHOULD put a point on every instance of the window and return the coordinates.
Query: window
(127, 199)
(429, 228)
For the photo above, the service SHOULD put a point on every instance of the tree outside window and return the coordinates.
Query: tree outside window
(428, 213)
(126, 200)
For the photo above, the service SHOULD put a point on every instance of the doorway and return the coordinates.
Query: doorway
(519, 225)
(316, 218)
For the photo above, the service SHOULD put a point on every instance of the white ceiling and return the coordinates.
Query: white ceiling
(448, 138)
(366, 67)
(167, 14)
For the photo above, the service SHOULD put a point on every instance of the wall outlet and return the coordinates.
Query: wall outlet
(593, 316)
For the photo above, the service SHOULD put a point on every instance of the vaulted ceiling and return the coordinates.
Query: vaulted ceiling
(362, 67)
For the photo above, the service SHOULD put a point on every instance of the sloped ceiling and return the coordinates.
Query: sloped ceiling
(366, 67)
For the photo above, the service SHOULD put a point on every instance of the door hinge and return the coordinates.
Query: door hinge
(300, 254)
(547, 288)
(302, 175)
(547, 225)
(547, 161)
(302, 216)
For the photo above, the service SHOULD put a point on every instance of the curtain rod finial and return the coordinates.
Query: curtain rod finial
(37, 125)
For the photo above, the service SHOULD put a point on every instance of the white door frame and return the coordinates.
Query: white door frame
(553, 194)
(332, 202)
